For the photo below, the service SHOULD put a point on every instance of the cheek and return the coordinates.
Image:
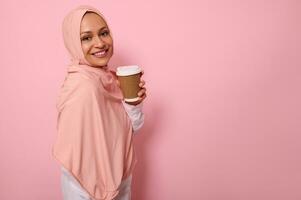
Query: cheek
(85, 49)
(111, 44)
(109, 40)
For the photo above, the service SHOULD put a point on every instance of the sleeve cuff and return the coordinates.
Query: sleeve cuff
(135, 114)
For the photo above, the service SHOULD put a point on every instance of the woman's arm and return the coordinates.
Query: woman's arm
(135, 114)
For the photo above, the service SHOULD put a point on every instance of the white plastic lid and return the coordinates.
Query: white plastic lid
(128, 70)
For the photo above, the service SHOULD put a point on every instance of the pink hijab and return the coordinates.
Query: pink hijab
(94, 141)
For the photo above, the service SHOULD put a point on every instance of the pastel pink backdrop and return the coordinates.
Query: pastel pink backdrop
(223, 106)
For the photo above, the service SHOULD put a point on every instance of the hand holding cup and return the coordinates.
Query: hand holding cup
(131, 84)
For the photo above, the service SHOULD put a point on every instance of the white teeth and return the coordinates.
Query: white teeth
(100, 53)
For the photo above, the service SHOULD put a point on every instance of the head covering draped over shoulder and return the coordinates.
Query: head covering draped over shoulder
(71, 36)
(94, 141)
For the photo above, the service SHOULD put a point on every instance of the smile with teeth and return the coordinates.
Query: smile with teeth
(100, 54)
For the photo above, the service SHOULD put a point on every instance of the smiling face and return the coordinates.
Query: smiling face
(96, 41)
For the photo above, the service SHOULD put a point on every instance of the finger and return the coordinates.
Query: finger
(143, 97)
(140, 99)
(141, 92)
(142, 83)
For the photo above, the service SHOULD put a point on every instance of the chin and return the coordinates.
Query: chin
(99, 62)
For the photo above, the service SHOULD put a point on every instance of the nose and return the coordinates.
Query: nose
(98, 42)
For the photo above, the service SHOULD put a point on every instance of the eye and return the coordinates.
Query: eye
(86, 38)
(105, 33)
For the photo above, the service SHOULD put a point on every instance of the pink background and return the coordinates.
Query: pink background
(223, 108)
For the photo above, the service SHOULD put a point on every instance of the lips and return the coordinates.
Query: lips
(101, 54)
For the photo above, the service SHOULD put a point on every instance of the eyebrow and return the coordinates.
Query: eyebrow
(91, 31)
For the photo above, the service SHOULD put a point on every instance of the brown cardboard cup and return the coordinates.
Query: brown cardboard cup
(129, 79)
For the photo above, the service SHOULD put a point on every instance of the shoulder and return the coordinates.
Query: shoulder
(80, 82)
(76, 90)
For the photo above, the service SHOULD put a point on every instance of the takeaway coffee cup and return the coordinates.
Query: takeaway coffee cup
(129, 79)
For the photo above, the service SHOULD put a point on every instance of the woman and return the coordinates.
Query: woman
(95, 126)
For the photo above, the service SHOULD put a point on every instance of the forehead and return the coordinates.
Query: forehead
(92, 22)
